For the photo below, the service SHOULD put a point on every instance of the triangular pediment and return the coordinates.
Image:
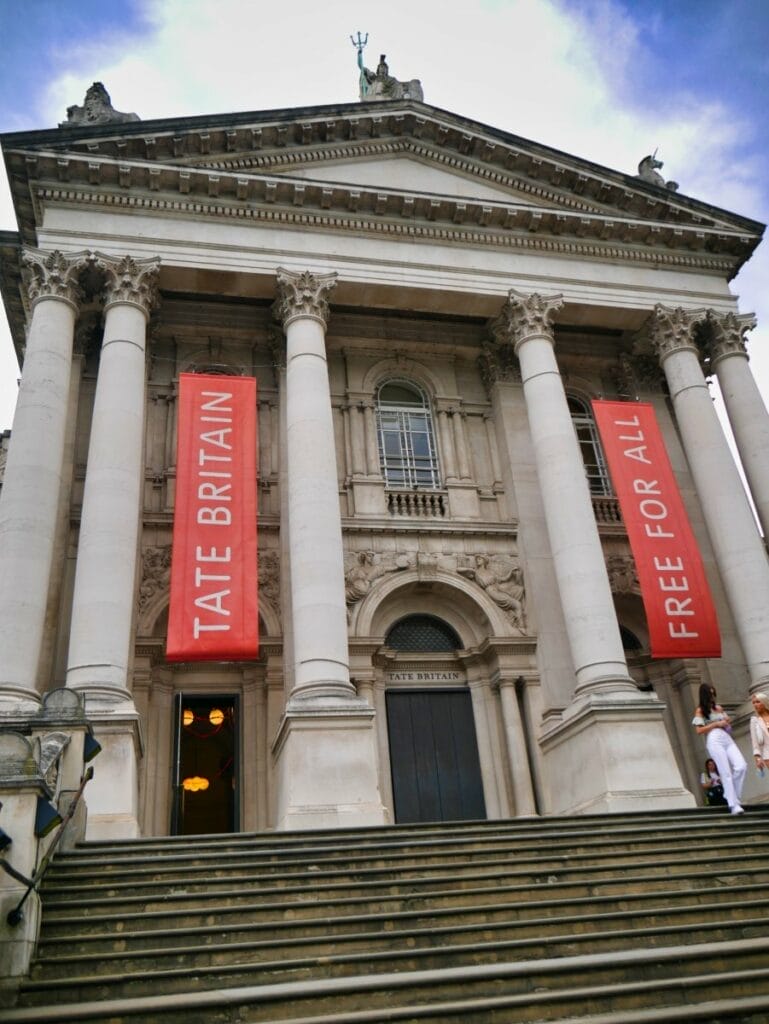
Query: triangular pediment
(401, 168)
(407, 173)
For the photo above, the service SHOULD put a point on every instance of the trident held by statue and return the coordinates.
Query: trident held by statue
(359, 43)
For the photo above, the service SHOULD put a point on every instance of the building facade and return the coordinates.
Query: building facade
(451, 622)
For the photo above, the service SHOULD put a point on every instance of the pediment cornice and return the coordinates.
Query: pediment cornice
(277, 141)
(95, 180)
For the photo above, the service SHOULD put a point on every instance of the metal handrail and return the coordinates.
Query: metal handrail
(15, 916)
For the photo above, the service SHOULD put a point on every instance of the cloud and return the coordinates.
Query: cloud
(583, 77)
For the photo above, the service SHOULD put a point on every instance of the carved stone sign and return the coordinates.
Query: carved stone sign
(427, 676)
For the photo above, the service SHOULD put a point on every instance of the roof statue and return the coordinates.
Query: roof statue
(379, 84)
(648, 171)
(97, 109)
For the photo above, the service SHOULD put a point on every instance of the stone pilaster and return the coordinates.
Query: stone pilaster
(517, 754)
(33, 472)
(325, 749)
(738, 548)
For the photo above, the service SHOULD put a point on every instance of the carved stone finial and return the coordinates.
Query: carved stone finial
(129, 280)
(648, 171)
(672, 330)
(52, 275)
(726, 334)
(302, 295)
(97, 109)
(523, 316)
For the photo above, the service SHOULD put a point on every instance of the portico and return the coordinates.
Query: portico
(428, 495)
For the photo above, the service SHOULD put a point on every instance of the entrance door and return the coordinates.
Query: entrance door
(436, 773)
(205, 761)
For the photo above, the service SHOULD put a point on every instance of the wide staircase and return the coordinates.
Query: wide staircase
(624, 918)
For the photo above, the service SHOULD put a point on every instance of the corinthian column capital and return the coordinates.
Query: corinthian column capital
(524, 316)
(672, 330)
(727, 334)
(54, 275)
(129, 281)
(302, 295)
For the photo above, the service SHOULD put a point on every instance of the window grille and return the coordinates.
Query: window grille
(407, 453)
(423, 633)
(590, 447)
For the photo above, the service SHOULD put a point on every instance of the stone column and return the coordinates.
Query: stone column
(583, 584)
(318, 604)
(739, 550)
(744, 404)
(517, 752)
(33, 472)
(105, 578)
(325, 748)
(101, 630)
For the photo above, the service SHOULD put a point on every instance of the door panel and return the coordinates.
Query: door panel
(434, 760)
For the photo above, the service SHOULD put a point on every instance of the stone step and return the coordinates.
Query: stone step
(139, 932)
(577, 986)
(311, 903)
(123, 896)
(755, 954)
(70, 884)
(564, 833)
(242, 962)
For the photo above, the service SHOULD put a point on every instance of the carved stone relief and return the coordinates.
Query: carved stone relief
(156, 573)
(622, 574)
(362, 568)
(502, 579)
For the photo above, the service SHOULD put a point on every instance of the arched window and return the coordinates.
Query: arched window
(407, 452)
(423, 633)
(590, 446)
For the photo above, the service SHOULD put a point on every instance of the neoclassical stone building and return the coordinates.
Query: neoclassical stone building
(451, 623)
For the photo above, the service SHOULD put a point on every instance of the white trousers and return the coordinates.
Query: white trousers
(730, 763)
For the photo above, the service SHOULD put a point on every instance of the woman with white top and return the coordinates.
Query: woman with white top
(712, 722)
(759, 730)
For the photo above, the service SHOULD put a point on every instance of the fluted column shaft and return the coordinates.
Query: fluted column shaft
(317, 589)
(738, 548)
(744, 405)
(583, 583)
(105, 576)
(33, 472)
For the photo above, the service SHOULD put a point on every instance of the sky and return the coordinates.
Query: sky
(607, 80)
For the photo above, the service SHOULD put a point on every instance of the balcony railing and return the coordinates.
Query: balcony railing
(607, 510)
(422, 504)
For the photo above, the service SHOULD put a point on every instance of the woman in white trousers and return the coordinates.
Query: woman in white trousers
(712, 722)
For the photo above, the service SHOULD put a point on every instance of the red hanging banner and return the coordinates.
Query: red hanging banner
(679, 607)
(214, 614)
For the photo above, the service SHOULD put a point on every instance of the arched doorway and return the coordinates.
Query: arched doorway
(435, 767)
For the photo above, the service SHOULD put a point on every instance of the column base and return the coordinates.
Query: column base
(609, 755)
(326, 766)
(112, 796)
(16, 701)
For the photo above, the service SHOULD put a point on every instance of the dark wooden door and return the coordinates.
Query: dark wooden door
(436, 773)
